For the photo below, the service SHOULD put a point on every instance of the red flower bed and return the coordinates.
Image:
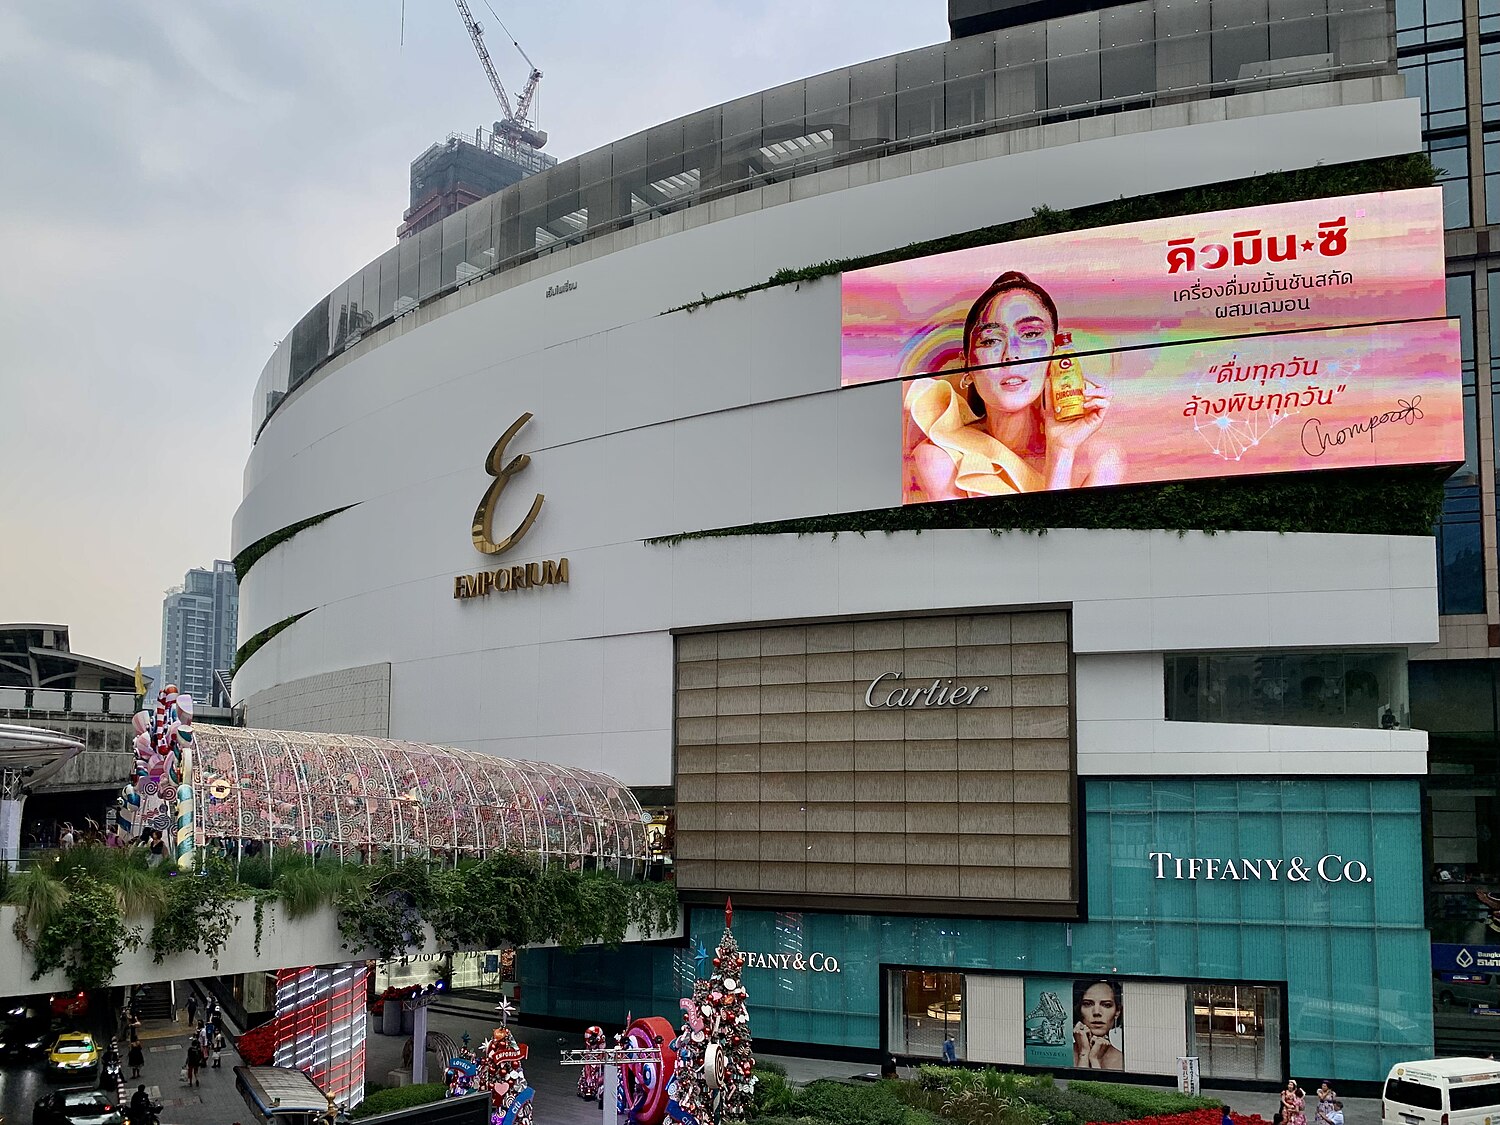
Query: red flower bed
(258, 1045)
(1198, 1117)
(398, 994)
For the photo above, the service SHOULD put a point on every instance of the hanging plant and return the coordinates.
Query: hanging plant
(85, 938)
(197, 916)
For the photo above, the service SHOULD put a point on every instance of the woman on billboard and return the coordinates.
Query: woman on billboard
(1098, 1025)
(1003, 426)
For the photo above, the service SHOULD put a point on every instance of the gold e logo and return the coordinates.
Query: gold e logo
(484, 514)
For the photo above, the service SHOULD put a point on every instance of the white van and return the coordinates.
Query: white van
(1442, 1092)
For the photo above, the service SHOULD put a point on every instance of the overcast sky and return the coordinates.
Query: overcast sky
(180, 180)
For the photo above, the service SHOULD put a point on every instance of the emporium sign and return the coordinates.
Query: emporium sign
(1307, 335)
(522, 576)
(1295, 869)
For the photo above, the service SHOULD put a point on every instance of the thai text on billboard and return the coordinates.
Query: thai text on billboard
(1293, 336)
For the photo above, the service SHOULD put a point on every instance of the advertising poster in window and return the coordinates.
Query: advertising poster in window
(1075, 1022)
(1292, 336)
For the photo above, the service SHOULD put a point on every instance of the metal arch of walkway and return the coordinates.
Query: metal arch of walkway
(348, 794)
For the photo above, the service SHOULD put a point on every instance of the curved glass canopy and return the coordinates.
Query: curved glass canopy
(376, 796)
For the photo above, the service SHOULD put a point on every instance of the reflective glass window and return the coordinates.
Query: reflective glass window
(1489, 81)
(1428, 21)
(1236, 1030)
(926, 1008)
(1073, 60)
(1437, 79)
(1489, 16)
(969, 93)
(1460, 550)
(1021, 71)
(1298, 29)
(1460, 301)
(919, 93)
(1451, 156)
(429, 260)
(872, 97)
(1358, 688)
(1241, 38)
(407, 291)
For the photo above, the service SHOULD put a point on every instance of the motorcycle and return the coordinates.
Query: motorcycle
(151, 1116)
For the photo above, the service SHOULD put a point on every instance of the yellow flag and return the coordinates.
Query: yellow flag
(140, 681)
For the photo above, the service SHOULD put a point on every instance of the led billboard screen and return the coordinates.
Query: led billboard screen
(1292, 336)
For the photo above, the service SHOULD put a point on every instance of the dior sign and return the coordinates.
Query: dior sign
(1329, 869)
(939, 693)
(815, 963)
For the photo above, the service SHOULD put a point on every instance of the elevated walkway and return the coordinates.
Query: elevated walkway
(284, 943)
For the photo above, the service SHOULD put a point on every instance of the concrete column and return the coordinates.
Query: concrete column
(10, 831)
(419, 1043)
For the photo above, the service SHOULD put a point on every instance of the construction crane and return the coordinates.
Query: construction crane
(515, 129)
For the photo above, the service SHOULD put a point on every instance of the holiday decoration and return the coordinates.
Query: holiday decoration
(591, 1078)
(500, 1072)
(462, 1074)
(712, 1082)
(646, 1071)
(158, 796)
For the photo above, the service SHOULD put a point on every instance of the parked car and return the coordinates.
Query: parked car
(78, 1107)
(74, 1058)
(1467, 993)
(24, 1032)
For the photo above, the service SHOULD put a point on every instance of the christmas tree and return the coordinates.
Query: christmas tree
(715, 1056)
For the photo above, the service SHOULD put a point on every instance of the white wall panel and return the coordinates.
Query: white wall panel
(1155, 1026)
(994, 1030)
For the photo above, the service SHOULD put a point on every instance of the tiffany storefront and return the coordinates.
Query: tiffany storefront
(1272, 928)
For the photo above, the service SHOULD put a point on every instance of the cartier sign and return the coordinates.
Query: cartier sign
(886, 690)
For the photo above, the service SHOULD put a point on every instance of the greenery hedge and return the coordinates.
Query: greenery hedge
(1352, 501)
(80, 910)
(258, 550)
(255, 643)
(1143, 1101)
(1389, 173)
(828, 1102)
(399, 1097)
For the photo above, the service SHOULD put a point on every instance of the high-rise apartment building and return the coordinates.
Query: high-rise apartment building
(199, 626)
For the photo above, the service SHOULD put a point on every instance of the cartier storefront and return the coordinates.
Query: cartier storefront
(911, 765)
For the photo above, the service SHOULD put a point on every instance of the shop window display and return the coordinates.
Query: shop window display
(1235, 1030)
(927, 1007)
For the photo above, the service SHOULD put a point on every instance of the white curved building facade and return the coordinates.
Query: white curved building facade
(648, 422)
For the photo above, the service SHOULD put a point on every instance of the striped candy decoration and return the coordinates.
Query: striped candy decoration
(129, 810)
(184, 826)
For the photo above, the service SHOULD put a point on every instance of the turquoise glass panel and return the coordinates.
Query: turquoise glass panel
(1353, 957)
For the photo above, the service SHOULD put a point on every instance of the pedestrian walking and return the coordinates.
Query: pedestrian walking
(192, 1008)
(137, 1058)
(219, 1050)
(194, 1061)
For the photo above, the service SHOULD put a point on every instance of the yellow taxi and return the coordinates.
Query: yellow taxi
(73, 1057)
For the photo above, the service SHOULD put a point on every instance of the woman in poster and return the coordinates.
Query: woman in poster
(992, 430)
(1098, 1025)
